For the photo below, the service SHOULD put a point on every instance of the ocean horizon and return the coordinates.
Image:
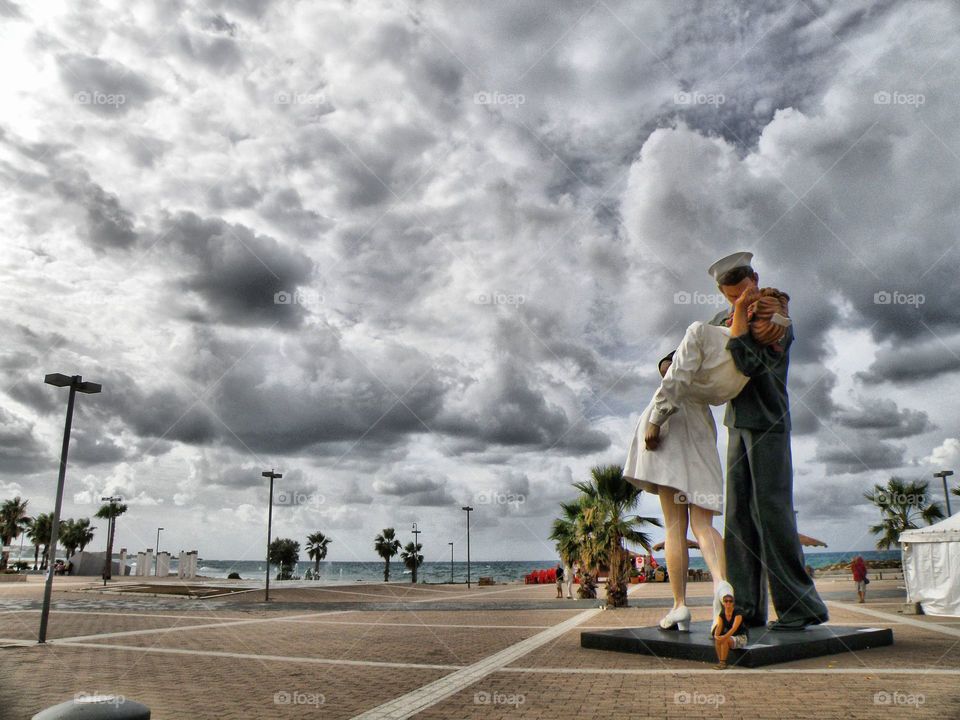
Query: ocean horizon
(335, 571)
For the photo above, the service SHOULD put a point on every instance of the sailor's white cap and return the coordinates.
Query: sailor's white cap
(725, 265)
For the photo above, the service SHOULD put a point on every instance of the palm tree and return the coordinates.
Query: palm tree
(285, 553)
(607, 501)
(412, 558)
(902, 503)
(111, 512)
(84, 533)
(69, 532)
(387, 546)
(317, 548)
(75, 534)
(13, 521)
(564, 534)
(39, 534)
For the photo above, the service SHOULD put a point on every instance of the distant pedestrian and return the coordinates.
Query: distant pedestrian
(568, 580)
(859, 569)
(559, 582)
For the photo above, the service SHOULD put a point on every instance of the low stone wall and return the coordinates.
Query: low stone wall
(13, 577)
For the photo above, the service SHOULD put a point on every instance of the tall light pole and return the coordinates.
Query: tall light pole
(416, 554)
(273, 476)
(75, 383)
(451, 562)
(111, 528)
(468, 510)
(156, 565)
(943, 475)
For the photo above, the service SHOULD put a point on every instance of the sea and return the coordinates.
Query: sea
(335, 572)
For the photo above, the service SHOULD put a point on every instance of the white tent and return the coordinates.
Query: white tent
(931, 566)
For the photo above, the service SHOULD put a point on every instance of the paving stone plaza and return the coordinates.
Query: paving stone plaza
(443, 651)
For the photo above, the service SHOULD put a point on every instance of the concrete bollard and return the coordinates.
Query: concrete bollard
(96, 707)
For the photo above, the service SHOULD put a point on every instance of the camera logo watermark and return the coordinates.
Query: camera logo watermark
(99, 698)
(895, 297)
(306, 298)
(95, 97)
(495, 97)
(299, 499)
(698, 298)
(700, 499)
(695, 97)
(482, 697)
(492, 497)
(685, 697)
(499, 298)
(295, 697)
(900, 499)
(898, 697)
(299, 98)
(883, 97)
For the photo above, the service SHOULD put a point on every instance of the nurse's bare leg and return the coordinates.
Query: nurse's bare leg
(675, 544)
(710, 542)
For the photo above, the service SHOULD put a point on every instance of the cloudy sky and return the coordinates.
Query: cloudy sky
(417, 254)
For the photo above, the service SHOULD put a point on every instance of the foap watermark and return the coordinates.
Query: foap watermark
(95, 97)
(298, 297)
(100, 698)
(900, 499)
(899, 698)
(685, 697)
(885, 97)
(296, 697)
(895, 297)
(482, 697)
(285, 97)
(493, 497)
(696, 97)
(500, 298)
(294, 498)
(698, 498)
(495, 97)
(683, 297)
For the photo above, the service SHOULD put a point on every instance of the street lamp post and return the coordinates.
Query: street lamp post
(111, 528)
(156, 565)
(273, 476)
(451, 562)
(415, 553)
(468, 510)
(943, 475)
(75, 383)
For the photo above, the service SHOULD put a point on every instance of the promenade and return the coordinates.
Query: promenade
(443, 651)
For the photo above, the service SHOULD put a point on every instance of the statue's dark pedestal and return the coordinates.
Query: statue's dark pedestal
(765, 647)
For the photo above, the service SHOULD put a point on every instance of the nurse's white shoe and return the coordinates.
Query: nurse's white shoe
(678, 616)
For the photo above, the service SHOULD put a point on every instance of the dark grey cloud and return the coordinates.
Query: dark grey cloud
(507, 408)
(811, 405)
(914, 362)
(415, 489)
(217, 54)
(884, 417)
(285, 208)
(21, 451)
(242, 278)
(108, 224)
(103, 86)
(850, 452)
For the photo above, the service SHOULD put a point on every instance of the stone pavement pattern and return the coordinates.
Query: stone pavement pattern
(339, 652)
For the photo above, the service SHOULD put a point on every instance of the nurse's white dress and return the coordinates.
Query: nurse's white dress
(687, 462)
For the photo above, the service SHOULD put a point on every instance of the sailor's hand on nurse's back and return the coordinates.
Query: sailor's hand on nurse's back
(651, 438)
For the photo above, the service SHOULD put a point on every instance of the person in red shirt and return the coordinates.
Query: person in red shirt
(859, 569)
